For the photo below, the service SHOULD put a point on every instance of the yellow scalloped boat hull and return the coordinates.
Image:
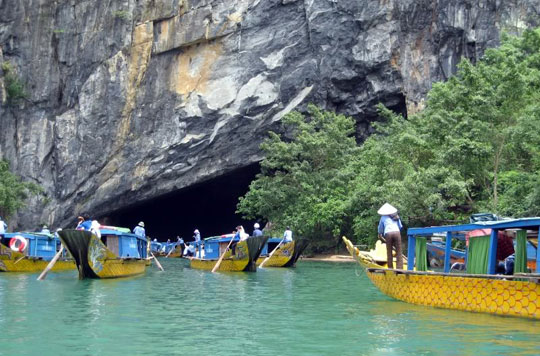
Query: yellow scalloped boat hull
(459, 292)
(230, 263)
(281, 257)
(11, 261)
(503, 297)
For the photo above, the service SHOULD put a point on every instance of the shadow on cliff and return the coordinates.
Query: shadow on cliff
(209, 206)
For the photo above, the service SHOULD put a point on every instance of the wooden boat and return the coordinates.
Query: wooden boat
(243, 259)
(375, 258)
(155, 247)
(285, 256)
(115, 254)
(175, 250)
(514, 295)
(436, 252)
(38, 250)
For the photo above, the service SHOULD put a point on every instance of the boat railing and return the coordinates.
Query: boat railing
(459, 231)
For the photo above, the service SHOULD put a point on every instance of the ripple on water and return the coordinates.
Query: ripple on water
(315, 309)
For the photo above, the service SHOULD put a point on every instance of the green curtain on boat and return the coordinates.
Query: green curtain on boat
(421, 254)
(520, 263)
(477, 260)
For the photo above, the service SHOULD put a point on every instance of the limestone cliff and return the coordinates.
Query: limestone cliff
(130, 99)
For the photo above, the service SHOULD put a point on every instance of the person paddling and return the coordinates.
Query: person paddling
(389, 232)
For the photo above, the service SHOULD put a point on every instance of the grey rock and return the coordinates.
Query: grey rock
(129, 100)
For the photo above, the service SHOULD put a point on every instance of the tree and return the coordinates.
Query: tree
(304, 179)
(13, 192)
(474, 148)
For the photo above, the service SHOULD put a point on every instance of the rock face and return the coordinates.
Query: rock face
(130, 99)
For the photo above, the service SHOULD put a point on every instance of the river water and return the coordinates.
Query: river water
(317, 308)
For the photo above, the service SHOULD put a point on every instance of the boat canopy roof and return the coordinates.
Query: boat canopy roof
(120, 234)
(30, 235)
(524, 223)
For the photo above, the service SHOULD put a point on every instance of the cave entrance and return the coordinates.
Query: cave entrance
(209, 206)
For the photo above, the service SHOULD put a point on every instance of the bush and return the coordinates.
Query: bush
(123, 15)
(14, 86)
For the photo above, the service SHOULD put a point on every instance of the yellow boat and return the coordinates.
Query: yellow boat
(31, 252)
(122, 255)
(240, 257)
(176, 252)
(486, 292)
(375, 258)
(285, 256)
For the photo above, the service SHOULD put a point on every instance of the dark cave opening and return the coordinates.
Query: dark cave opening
(209, 206)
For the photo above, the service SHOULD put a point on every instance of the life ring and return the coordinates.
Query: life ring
(18, 243)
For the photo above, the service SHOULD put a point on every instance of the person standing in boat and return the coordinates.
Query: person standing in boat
(257, 231)
(287, 235)
(139, 230)
(242, 235)
(197, 236)
(45, 230)
(390, 232)
(3, 228)
(85, 223)
(80, 220)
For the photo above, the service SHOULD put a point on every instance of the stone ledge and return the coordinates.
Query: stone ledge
(200, 25)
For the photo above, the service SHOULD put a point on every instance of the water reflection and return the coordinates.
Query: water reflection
(315, 309)
(404, 323)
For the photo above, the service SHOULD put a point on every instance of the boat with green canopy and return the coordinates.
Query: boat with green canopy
(482, 286)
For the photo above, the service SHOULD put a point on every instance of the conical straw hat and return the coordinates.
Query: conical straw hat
(386, 209)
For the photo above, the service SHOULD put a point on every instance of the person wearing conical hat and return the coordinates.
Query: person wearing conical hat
(257, 230)
(390, 232)
(139, 230)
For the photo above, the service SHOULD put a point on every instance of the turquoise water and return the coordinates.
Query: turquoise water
(318, 308)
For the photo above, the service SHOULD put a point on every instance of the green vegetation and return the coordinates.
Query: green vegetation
(304, 181)
(14, 86)
(13, 192)
(122, 14)
(475, 148)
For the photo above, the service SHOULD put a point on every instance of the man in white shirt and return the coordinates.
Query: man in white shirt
(3, 228)
(287, 235)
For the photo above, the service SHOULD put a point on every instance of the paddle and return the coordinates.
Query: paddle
(222, 255)
(157, 262)
(51, 264)
(172, 249)
(19, 260)
(270, 255)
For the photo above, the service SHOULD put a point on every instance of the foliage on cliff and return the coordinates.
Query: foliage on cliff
(476, 147)
(14, 86)
(305, 177)
(13, 191)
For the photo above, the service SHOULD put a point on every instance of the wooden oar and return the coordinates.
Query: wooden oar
(222, 255)
(270, 255)
(157, 262)
(51, 264)
(172, 249)
(19, 260)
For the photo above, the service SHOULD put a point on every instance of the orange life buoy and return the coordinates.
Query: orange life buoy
(18, 243)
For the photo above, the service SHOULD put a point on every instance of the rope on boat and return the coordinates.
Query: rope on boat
(359, 274)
